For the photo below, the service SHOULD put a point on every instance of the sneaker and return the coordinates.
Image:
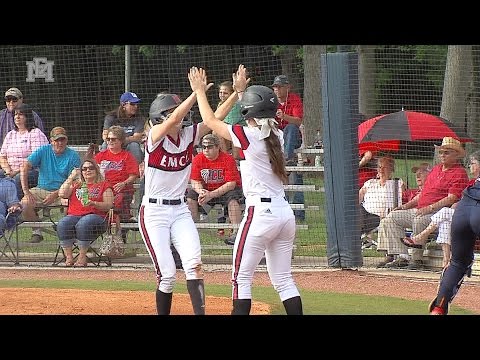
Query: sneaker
(388, 259)
(291, 162)
(36, 238)
(437, 310)
(397, 263)
(367, 243)
(415, 265)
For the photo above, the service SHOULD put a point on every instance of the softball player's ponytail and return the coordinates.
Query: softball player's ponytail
(275, 153)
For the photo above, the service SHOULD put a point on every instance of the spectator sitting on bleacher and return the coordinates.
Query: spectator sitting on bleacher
(374, 195)
(127, 116)
(20, 142)
(14, 98)
(119, 167)
(289, 116)
(9, 202)
(421, 172)
(215, 179)
(55, 161)
(442, 219)
(83, 222)
(443, 187)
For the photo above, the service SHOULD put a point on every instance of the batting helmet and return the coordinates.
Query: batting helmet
(162, 104)
(258, 101)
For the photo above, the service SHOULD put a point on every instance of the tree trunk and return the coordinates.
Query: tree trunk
(366, 78)
(473, 103)
(456, 82)
(312, 102)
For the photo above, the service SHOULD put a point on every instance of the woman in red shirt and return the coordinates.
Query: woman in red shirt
(120, 168)
(84, 221)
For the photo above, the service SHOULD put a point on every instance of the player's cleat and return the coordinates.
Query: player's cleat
(437, 310)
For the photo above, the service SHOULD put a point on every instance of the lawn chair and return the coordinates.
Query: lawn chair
(6, 238)
(95, 258)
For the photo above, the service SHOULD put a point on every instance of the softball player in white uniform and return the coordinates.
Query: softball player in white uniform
(268, 224)
(164, 217)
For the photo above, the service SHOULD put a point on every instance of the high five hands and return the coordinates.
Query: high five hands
(198, 79)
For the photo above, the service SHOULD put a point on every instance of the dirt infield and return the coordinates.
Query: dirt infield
(70, 301)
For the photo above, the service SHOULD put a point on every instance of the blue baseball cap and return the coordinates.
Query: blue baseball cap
(129, 97)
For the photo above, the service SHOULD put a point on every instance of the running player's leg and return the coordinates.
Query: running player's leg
(465, 227)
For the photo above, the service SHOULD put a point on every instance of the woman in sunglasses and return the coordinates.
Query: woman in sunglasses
(84, 222)
(120, 168)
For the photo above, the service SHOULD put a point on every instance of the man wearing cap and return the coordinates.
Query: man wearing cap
(215, 180)
(127, 115)
(55, 162)
(443, 187)
(289, 116)
(421, 172)
(14, 98)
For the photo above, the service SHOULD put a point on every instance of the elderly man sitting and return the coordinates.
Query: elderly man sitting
(443, 187)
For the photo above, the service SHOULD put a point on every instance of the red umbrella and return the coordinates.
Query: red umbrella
(385, 132)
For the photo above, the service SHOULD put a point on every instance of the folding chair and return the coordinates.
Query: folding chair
(96, 259)
(7, 236)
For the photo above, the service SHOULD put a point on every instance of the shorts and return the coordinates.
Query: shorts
(235, 194)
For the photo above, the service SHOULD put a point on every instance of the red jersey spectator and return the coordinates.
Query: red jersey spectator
(289, 116)
(120, 168)
(215, 179)
(84, 222)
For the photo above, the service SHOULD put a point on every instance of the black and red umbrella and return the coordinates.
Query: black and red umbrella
(385, 132)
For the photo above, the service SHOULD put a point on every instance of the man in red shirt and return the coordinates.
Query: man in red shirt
(443, 187)
(215, 180)
(289, 116)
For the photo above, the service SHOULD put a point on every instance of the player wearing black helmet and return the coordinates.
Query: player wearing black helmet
(168, 161)
(268, 224)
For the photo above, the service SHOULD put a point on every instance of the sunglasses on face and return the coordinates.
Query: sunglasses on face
(85, 168)
(11, 99)
(111, 139)
(207, 147)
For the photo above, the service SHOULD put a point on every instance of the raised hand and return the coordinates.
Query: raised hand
(239, 78)
(198, 79)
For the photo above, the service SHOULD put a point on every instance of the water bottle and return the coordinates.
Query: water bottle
(84, 194)
(318, 140)
(318, 161)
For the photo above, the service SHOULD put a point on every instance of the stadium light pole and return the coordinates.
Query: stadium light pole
(127, 68)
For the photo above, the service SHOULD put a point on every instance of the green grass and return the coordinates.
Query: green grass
(314, 302)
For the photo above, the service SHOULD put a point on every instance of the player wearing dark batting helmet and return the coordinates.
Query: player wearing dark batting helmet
(268, 225)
